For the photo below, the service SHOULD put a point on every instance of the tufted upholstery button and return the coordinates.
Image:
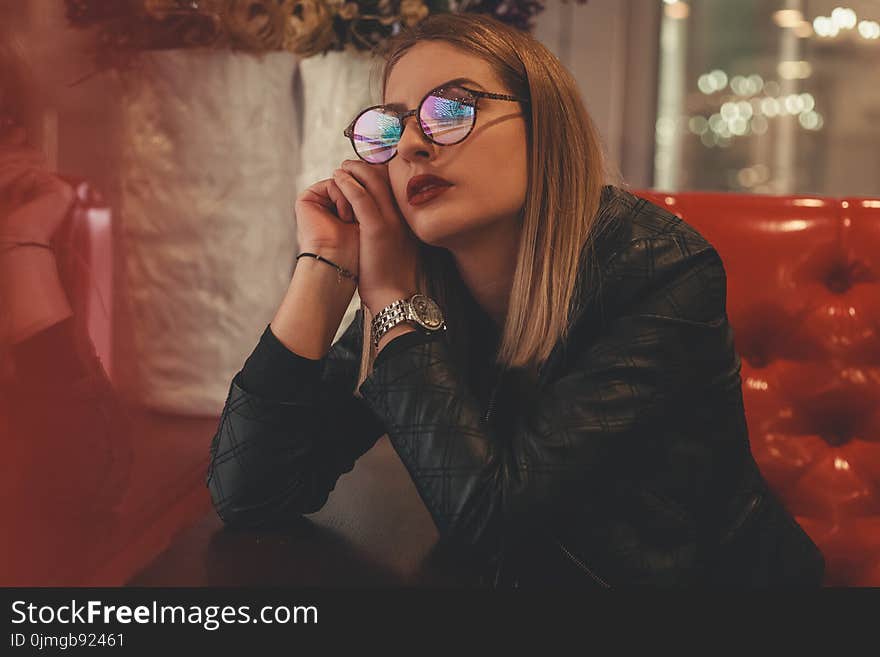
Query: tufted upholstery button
(839, 280)
(803, 286)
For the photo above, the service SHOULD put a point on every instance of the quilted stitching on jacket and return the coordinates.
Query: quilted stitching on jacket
(596, 423)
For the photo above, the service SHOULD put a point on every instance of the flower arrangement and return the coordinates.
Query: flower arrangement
(304, 27)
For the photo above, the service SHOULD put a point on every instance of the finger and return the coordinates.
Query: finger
(12, 172)
(38, 184)
(318, 193)
(365, 210)
(375, 179)
(343, 208)
(52, 184)
(18, 189)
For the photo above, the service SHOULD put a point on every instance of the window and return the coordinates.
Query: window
(772, 97)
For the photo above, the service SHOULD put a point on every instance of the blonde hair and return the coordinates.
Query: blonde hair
(567, 171)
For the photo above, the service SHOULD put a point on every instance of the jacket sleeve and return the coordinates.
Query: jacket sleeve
(289, 429)
(484, 485)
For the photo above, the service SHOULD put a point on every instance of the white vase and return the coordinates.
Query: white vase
(207, 232)
(331, 89)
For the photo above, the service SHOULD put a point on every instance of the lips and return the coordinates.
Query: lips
(422, 183)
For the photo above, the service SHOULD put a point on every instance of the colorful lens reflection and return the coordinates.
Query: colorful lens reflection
(376, 134)
(447, 120)
(446, 117)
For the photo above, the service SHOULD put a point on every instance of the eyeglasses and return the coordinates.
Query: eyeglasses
(447, 115)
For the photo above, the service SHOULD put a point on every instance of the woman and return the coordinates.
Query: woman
(62, 430)
(579, 422)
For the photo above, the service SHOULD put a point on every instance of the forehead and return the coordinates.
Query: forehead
(429, 64)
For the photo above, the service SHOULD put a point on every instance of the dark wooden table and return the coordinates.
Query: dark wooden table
(374, 531)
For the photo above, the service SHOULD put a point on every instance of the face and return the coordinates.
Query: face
(488, 170)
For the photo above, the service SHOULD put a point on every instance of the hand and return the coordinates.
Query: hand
(33, 202)
(325, 224)
(388, 248)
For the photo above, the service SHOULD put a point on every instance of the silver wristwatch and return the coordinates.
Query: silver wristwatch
(419, 308)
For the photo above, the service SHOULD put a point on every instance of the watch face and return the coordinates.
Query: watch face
(427, 312)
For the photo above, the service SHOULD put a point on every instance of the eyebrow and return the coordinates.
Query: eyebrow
(400, 106)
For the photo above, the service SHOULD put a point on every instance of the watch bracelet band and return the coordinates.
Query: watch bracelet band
(387, 318)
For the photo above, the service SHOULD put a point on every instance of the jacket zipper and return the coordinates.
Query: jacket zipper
(485, 420)
(583, 566)
(751, 505)
(491, 405)
(577, 561)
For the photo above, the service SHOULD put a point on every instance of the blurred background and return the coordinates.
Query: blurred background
(769, 96)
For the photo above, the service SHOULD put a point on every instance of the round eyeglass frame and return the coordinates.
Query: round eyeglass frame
(402, 116)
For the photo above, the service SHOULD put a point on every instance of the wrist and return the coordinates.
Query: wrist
(34, 298)
(328, 261)
(311, 311)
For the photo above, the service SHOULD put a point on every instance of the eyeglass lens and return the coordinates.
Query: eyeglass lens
(446, 117)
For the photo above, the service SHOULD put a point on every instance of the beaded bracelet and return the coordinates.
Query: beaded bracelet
(339, 270)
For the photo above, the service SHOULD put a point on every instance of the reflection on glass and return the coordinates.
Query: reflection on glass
(772, 98)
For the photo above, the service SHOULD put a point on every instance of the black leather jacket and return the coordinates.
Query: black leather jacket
(625, 463)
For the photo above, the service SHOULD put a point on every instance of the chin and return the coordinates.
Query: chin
(426, 236)
(448, 238)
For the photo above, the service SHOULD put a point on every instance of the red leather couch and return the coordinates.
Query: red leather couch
(803, 298)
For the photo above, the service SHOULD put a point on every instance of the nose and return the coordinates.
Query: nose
(413, 143)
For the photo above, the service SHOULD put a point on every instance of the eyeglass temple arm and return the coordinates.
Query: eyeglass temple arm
(486, 94)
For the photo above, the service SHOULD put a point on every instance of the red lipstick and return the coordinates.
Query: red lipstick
(422, 188)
